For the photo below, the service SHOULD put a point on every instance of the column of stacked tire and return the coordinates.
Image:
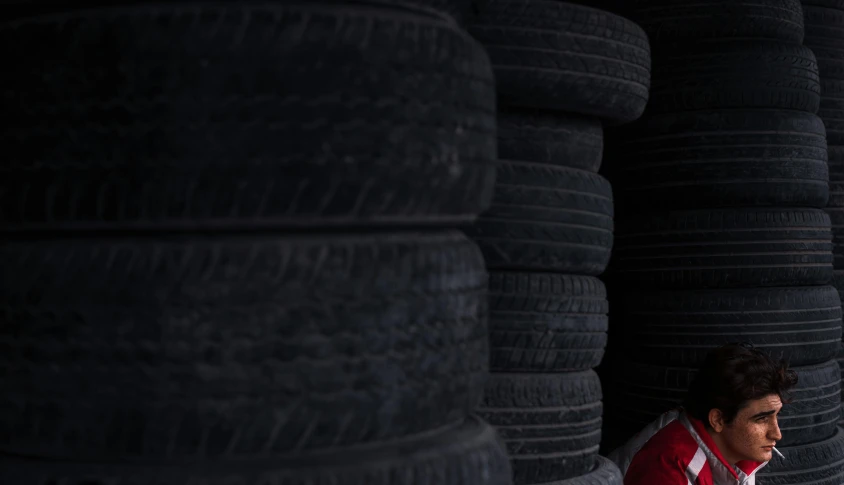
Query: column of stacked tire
(560, 70)
(824, 21)
(190, 290)
(721, 232)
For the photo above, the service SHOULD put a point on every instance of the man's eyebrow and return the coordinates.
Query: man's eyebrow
(763, 414)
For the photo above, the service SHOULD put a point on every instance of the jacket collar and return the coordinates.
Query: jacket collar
(719, 466)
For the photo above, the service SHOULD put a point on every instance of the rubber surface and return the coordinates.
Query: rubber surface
(678, 328)
(643, 392)
(547, 218)
(541, 322)
(467, 454)
(238, 346)
(195, 117)
(723, 158)
(605, 472)
(668, 21)
(734, 75)
(551, 423)
(547, 137)
(554, 55)
(727, 248)
(820, 463)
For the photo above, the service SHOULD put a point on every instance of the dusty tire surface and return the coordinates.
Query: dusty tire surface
(561, 56)
(195, 118)
(725, 248)
(546, 217)
(723, 158)
(678, 328)
(544, 322)
(554, 138)
(550, 423)
(468, 453)
(736, 75)
(667, 21)
(127, 348)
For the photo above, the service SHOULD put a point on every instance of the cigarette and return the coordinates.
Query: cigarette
(777, 452)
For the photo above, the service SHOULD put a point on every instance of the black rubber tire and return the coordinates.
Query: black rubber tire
(724, 158)
(605, 472)
(825, 27)
(669, 21)
(554, 55)
(550, 423)
(838, 282)
(542, 322)
(126, 349)
(735, 75)
(467, 454)
(840, 359)
(820, 463)
(547, 137)
(834, 4)
(547, 218)
(194, 118)
(678, 328)
(643, 392)
(725, 248)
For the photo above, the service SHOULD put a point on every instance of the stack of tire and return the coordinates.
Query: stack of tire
(215, 268)
(561, 71)
(824, 21)
(721, 233)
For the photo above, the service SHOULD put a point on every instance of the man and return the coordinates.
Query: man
(724, 433)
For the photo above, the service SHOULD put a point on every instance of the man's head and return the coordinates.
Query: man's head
(738, 393)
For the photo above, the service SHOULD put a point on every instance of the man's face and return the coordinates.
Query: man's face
(754, 430)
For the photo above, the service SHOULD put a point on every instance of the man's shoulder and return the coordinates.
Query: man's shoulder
(673, 439)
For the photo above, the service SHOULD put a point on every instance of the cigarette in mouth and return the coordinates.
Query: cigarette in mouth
(778, 452)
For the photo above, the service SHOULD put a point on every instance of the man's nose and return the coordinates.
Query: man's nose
(774, 433)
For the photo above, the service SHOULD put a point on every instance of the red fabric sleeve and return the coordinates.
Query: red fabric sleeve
(650, 467)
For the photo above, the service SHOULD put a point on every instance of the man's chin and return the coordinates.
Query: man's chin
(766, 455)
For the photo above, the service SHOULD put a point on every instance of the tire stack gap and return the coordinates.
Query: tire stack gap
(561, 71)
(721, 233)
(215, 268)
(824, 21)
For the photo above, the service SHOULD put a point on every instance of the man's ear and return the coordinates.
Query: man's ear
(716, 420)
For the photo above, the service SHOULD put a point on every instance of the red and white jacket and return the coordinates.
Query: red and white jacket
(676, 450)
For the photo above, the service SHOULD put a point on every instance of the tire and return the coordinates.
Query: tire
(550, 423)
(195, 119)
(724, 158)
(838, 282)
(605, 472)
(645, 391)
(542, 322)
(552, 138)
(678, 328)
(825, 26)
(832, 110)
(668, 21)
(469, 453)
(553, 55)
(840, 359)
(820, 463)
(835, 4)
(547, 218)
(836, 217)
(736, 75)
(144, 326)
(726, 248)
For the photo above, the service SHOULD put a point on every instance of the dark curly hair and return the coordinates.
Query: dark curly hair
(731, 376)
